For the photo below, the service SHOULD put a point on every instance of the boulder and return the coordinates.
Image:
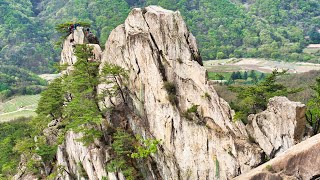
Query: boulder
(279, 127)
(301, 161)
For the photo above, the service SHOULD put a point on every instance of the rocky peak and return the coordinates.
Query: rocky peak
(67, 54)
(168, 97)
(155, 46)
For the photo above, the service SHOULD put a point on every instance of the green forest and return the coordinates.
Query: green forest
(277, 29)
(272, 29)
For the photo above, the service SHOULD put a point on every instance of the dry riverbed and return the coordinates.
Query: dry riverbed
(262, 65)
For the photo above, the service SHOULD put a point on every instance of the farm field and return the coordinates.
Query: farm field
(262, 65)
(19, 106)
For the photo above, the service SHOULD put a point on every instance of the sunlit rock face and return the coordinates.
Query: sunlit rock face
(155, 46)
(279, 127)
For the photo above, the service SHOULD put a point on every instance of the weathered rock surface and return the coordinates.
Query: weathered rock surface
(279, 127)
(155, 46)
(301, 161)
(76, 159)
(67, 53)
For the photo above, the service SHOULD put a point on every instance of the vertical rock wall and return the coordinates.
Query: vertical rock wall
(155, 46)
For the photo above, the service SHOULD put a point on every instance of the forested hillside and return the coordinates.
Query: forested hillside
(274, 29)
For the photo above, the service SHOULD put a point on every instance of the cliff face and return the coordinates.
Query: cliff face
(156, 48)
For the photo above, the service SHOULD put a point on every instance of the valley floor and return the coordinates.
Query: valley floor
(262, 65)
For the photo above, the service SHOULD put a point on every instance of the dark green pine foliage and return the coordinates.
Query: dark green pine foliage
(123, 147)
(127, 150)
(82, 113)
(51, 101)
(10, 133)
(313, 113)
(252, 99)
(116, 78)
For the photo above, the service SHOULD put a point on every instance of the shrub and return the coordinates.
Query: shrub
(220, 55)
(171, 90)
(207, 96)
(269, 168)
(193, 108)
(169, 87)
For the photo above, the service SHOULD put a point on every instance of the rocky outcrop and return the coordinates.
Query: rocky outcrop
(78, 161)
(301, 161)
(155, 46)
(279, 127)
(67, 54)
(22, 172)
(168, 97)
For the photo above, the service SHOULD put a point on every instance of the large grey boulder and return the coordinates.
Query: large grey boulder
(279, 127)
(301, 161)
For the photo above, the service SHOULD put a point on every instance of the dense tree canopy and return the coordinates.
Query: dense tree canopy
(253, 99)
(14, 80)
(258, 28)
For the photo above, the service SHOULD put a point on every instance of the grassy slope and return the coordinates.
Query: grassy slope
(20, 106)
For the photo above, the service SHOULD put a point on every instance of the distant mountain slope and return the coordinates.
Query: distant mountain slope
(17, 81)
(24, 41)
(223, 28)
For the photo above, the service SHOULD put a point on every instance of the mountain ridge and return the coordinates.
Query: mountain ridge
(166, 96)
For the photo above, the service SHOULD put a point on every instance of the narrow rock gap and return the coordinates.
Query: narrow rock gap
(159, 52)
(193, 55)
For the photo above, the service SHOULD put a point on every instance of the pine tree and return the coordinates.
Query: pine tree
(253, 99)
(313, 113)
(262, 76)
(116, 77)
(82, 112)
(51, 101)
(245, 75)
(314, 35)
(238, 75)
(233, 76)
(253, 76)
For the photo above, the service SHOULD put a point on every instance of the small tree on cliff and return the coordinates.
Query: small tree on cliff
(82, 112)
(313, 113)
(115, 77)
(51, 101)
(254, 98)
